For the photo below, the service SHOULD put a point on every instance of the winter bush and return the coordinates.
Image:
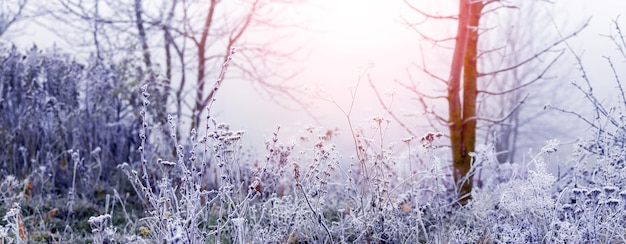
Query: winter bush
(64, 126)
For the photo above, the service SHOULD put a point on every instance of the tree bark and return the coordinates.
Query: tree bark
(202, 65)
(462, 114)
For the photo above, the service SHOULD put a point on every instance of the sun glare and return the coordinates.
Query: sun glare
(352, 22)
(357, 33)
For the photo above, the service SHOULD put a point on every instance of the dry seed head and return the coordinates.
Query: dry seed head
(409, 139)
(609, 189)
(167, 164)
(612, 202)
(623, 194)
(296, 172)
(593, 193)
(579, 191)
(99, 219)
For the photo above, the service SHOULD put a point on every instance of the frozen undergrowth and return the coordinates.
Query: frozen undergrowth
(300, 192)
(89, 162)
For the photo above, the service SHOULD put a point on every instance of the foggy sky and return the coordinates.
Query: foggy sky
(355, 34)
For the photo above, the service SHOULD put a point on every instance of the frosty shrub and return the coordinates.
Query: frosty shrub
(51, 104)
(63, 128)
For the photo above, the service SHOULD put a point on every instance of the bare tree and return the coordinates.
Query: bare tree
(192, 40)
(11, 12)
(534, 83)
(465, 86)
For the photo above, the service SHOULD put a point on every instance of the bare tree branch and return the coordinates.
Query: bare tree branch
(387, 108)
(621, 44)
(593, 125)
(539, 77)
(431, 16)
(435, 41)
(500, 120)
(536, 55)
(413, 89)
(425, 69)
(7, 20)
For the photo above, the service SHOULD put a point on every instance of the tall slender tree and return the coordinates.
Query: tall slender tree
(463, 85)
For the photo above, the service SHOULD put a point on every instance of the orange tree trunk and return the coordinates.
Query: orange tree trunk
(462, 113)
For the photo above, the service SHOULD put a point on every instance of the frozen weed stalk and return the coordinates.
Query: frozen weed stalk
(15, 231)
(190, 203)
(98, 225)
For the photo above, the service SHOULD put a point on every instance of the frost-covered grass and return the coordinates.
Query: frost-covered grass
(85, 160)
(301, 192)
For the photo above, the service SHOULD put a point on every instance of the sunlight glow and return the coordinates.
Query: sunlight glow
(358, 23)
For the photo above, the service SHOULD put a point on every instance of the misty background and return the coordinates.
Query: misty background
(337, 42)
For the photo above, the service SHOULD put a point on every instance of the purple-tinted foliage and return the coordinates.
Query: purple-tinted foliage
(50, 104)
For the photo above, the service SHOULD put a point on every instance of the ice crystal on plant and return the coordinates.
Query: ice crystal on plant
(551, 146)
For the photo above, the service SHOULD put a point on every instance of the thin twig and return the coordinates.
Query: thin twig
(539, 77)
(388, 109)
(317, 215)
(536, 55)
